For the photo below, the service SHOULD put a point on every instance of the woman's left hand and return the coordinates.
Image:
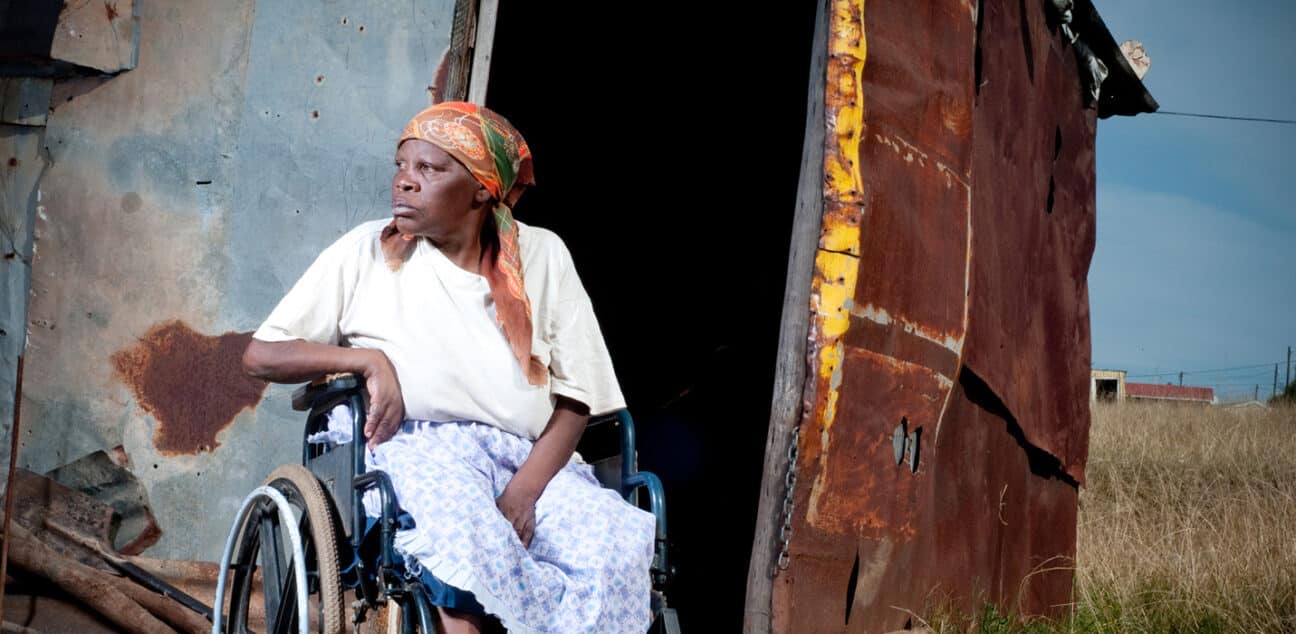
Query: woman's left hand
(551, 451)
(518, 507)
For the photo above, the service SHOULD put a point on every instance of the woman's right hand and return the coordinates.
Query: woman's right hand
(386, 403)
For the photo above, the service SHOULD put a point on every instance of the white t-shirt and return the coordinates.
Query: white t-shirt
(436, 322)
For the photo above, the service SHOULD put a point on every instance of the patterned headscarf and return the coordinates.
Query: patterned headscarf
(497, 156)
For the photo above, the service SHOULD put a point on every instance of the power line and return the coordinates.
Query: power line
(1210, 371)
(1200, 115)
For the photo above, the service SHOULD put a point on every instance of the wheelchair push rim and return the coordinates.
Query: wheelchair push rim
(290, 513)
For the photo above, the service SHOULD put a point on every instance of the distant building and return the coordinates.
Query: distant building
(1111, 386)
(1179, 393)
(1107, 385)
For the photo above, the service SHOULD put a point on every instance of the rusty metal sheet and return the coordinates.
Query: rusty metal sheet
(184, 197)
(21, 166)
(987, 515)
(44, 506)
(977, 525)
(1033, 231)
(890, 294)
(24, 100)
(98, 34)
(106, 477)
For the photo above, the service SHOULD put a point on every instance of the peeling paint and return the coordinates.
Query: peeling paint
(837, 262)
(847, 52)
(913, 153)
(951, 342)
(841, 237)
(837, 277)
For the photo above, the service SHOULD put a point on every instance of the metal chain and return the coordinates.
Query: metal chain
(789, 481)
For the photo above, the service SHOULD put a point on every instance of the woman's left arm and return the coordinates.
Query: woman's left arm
(550, 453)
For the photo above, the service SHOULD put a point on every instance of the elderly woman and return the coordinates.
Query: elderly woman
(483, 361)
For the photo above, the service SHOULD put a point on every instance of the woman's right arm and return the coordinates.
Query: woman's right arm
(300, 361)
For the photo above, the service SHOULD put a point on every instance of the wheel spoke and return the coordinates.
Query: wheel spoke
(286, 617)
(272, 562)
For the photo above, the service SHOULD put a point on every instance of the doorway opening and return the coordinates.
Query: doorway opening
(1106, 389)
(667, 153)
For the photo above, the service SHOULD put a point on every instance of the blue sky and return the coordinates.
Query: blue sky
(1195, 265)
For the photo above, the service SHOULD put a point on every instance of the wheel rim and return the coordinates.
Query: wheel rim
(262, 547)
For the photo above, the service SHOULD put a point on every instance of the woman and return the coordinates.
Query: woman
(483, 361)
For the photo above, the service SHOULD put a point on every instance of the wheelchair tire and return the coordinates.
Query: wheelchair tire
(318, 525)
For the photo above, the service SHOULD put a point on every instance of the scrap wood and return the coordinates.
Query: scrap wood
(95, 588)
(9, 483)
(40, 501)
(74, 525)
(165, 608)
(151, 582)
(106, 476)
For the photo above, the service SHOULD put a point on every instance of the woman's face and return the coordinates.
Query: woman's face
(432, 193)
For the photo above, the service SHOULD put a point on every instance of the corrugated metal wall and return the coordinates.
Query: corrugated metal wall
(21, 164)
(179, 202)
(949, 296)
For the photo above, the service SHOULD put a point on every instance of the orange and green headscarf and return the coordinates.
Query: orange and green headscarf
(497, 156)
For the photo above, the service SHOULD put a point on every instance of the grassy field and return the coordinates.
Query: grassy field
(1188, 522)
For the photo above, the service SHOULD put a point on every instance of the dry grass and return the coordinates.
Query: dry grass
(1188, 522)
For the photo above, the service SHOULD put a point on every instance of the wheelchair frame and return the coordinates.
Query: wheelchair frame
(341, 472)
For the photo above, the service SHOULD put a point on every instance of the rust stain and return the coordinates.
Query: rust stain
(13, 161)
(111, 9)
(855, 492)
(1030, 340)
(119, 457)
(147, 537)
(917, 254)
(193, 384)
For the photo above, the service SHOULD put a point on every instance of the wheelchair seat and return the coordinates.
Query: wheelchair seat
(342, 548)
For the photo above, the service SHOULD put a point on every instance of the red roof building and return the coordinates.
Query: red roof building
(1155, 392)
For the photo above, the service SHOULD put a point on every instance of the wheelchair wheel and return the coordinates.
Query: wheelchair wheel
(263, 545)
(409, 613)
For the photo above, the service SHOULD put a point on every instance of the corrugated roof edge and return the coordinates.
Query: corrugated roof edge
(1123, 93)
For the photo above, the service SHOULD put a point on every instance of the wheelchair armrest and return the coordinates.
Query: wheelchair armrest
(307, 396)
(633, 479)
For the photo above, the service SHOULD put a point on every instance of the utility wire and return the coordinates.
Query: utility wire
(1210, 371)
(1200, 115)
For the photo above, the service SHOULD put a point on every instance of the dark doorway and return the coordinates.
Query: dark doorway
(667, 148)
(1106, 389)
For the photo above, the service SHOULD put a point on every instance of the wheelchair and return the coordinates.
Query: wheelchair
(304, 539)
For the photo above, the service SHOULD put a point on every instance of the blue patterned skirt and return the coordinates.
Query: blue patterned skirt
(587, 567)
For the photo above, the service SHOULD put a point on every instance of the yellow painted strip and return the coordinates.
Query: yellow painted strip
(837, 262)
(840, 237)
(847, 49)
(838, 273)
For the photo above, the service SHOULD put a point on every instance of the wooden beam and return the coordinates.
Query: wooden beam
(482, 50)
(451, 82)
(95, 588)
(794, 328)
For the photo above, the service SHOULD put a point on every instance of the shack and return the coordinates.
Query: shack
(873, 289)
(1107, 385)
(1152, 392)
